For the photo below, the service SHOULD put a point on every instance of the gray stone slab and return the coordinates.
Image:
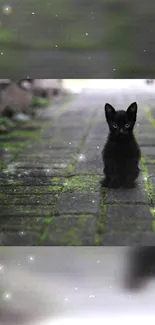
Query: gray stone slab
(50, 154)
(144, 125)
(135, 195)
(94, 143)
(40, 159)
(59, 152)
(39, 165)
(61, 145)
(128, 218)
(145, 238)
(14, 139)
(46, 199)
(90, 154)
(26, 180)
(11, 214)
(24, 229)
(13, 239)
(67, 133)
(153, 112)
(151, 171)
(148, 152)
(89, 168)
(34, 172)
(71, 231)
(78, 203)
(29, 190)
(147, 140)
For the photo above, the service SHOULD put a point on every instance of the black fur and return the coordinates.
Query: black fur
(121, 153)
(141, 268)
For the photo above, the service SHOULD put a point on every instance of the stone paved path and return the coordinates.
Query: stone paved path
(49, 180)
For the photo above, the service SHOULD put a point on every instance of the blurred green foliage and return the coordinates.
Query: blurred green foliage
(40, 102)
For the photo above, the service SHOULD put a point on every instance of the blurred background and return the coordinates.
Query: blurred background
(66, 285)
(24, 99)
(77, 38)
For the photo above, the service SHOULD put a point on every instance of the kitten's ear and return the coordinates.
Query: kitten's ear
(132, 111)
(109, 111)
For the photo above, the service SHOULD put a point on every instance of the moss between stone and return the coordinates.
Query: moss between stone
(149, 190)
(152, 211)
(47, 221)
(14, 147)
(101, 220)
(25, 134)
(150, 161)
(153, 225)
(149, 116)
(73, 162)
(71, 237)
(81, 184)
(147, 182)
(29, 190)
(29, 210)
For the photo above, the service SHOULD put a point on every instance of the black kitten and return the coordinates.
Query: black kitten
(121, 153)
(141, 268)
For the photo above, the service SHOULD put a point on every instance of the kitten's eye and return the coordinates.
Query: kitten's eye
(127, 126)
(114, 125)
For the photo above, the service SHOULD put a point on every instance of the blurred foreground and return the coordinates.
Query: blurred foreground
(65, 285)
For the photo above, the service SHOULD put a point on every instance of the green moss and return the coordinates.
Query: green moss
(81, 184)
(147, 182)
(150, 161)
(16, 147)
(10, 41)
(101, 220)
(71, 167)
(67, 236)
(70, 238)
(25, 134)
(152, 210)
(40, 102)
(48, 220)
(29, 189)
(55, 189)
(12, 146)
(153, 225)
(98, 240)
(149, 116)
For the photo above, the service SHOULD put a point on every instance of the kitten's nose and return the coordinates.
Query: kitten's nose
(121, 130)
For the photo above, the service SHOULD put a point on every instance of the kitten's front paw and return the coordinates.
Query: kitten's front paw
(114, 184)
(110, 184)
(129, 185)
